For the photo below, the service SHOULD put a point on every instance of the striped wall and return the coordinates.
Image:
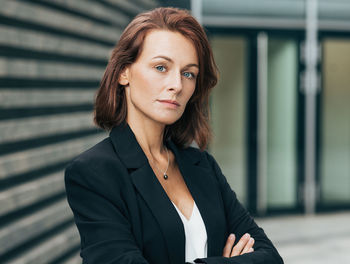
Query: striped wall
(52, 56)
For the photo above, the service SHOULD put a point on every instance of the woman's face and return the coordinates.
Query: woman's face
(162, 80)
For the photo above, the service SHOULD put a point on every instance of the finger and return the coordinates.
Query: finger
(248, 246)
(228, 247)
(240, 245)
(251, 250)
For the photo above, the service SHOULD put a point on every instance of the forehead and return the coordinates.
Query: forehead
(168, 43)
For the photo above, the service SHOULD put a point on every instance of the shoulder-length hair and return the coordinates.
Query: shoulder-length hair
(110, 107)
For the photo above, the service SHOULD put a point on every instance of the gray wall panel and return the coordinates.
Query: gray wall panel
(52, 56)
(43, 97)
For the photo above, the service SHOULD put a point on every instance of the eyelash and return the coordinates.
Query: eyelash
(192, 77)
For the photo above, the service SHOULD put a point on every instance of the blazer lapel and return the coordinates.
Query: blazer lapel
(164, 212)
(202, 185)
(151, 190)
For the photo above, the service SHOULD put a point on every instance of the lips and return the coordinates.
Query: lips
(170, 102)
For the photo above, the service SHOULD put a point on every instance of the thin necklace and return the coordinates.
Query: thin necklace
(165, 176)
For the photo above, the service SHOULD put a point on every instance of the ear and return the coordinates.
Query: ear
(124, 77)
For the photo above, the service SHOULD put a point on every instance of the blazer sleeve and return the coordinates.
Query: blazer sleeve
(105, 231)
(240, 222)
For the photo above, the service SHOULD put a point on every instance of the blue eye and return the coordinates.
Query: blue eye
(160, 68)
(189, 75)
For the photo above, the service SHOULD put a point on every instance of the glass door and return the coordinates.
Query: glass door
(277, 180)
(228, 105)
(335, 124)
(282, 123)
(254, 110)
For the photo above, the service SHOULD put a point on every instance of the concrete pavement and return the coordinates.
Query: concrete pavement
(316, 239)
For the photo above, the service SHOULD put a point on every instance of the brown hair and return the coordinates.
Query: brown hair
(110, 107)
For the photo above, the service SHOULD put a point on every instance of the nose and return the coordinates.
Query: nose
(175, 82)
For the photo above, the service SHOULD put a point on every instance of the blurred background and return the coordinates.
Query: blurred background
(280, 116)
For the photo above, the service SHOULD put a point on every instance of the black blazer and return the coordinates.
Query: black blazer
(124, 215)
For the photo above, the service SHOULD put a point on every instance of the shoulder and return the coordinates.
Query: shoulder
(95, 165)
(101, 150)
(205, 159)
(201, 157)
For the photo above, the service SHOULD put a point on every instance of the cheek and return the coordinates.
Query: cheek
(143, 85)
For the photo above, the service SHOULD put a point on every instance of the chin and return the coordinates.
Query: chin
(168, 121)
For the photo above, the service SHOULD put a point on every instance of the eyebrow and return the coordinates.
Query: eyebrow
(169, 59)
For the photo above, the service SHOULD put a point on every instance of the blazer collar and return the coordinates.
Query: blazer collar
(124, 140)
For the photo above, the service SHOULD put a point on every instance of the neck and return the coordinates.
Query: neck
(149, 135)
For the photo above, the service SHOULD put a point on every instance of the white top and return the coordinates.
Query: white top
(196, 235)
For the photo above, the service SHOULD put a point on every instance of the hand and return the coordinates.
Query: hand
(244, 245)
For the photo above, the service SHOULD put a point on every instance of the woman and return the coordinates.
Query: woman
(143, 195)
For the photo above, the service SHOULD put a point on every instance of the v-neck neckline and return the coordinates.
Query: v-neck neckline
(191, 216)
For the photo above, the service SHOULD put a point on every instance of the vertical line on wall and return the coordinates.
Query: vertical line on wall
(262, 69)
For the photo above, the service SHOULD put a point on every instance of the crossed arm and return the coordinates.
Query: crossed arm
(242, 225)
(106, 233)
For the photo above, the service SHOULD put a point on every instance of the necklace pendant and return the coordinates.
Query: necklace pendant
(165, 176)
